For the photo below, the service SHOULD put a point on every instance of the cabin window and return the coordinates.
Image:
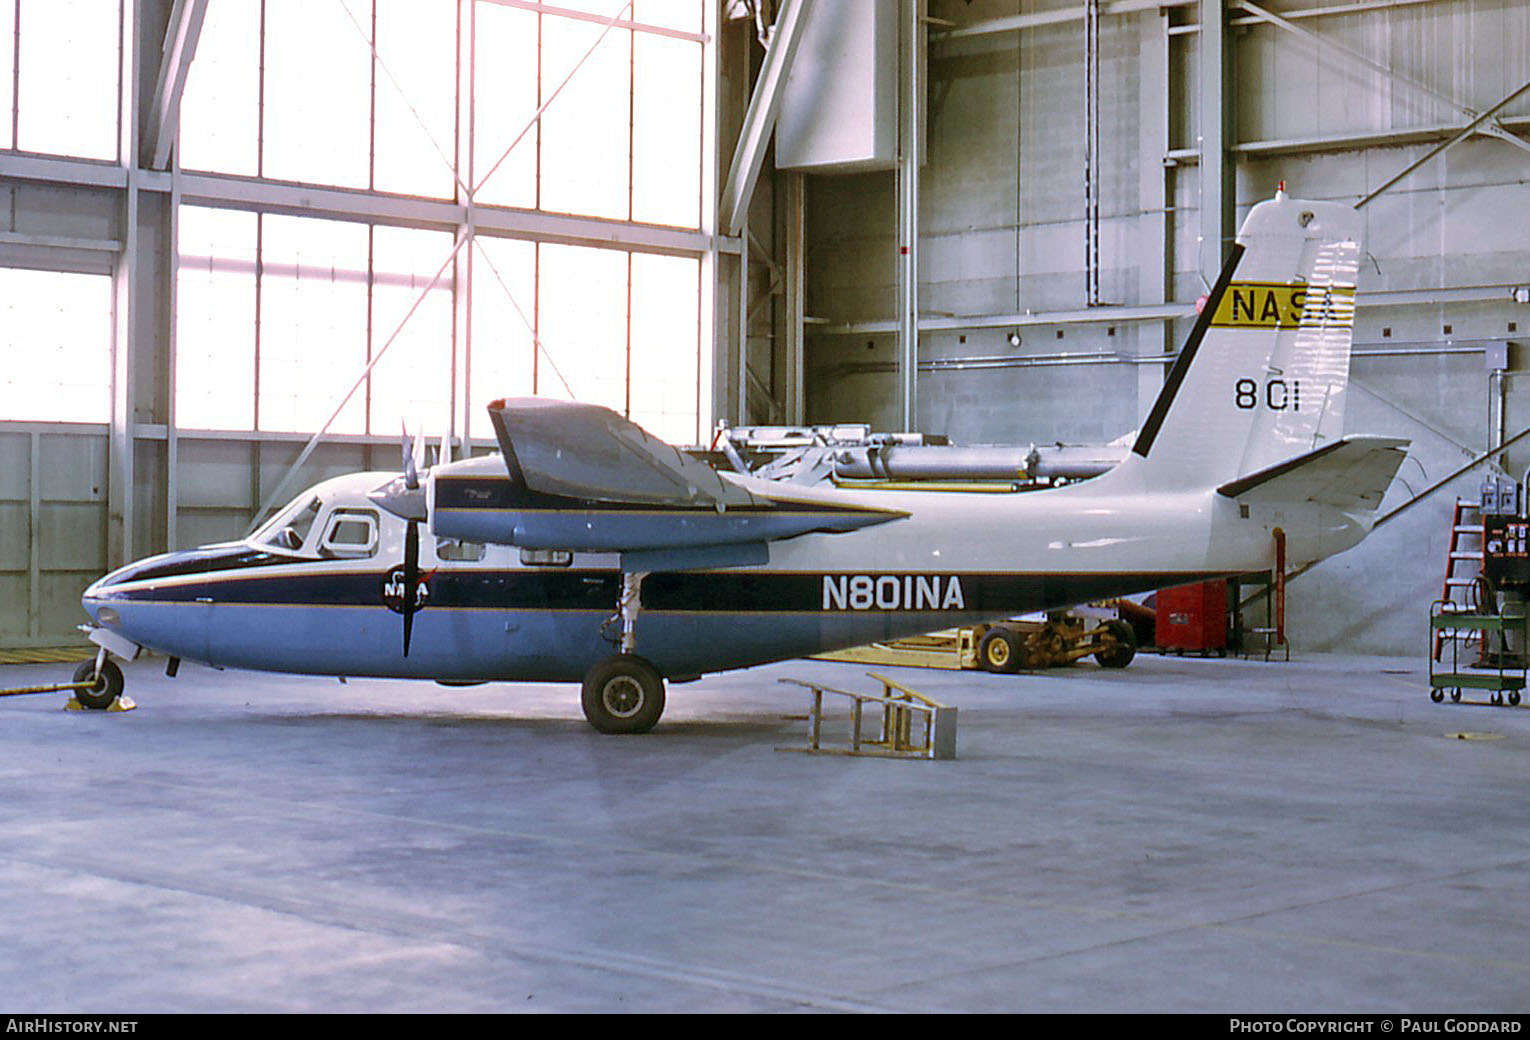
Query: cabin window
(352, 533)
(455, 551)
(289, 528)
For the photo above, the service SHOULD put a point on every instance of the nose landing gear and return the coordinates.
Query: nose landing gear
(105, 683)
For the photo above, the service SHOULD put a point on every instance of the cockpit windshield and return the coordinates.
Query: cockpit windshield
(289, 528)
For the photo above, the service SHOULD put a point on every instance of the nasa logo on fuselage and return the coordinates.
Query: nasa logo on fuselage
(393, 590)
(892, 592)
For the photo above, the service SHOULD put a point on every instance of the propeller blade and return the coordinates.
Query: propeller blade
(411, 580)
(411, 473)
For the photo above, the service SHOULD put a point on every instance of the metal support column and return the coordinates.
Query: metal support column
(741, 372)
(125, 288)
(172, 369)
(910, 150)
(1155, 232)
(793, 185)
(1092, 153)
(1218, 185)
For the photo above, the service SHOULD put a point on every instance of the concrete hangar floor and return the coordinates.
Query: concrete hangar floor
(1184, 835)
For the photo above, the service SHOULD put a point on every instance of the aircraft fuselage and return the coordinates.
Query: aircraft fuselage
(485, 612)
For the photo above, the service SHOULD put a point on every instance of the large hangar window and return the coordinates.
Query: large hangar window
(620, 136)
(384, 118)
(282, 314)
(313, 323)
(665, 346)
(60, 63)
(598, 325)
(55, 337)
(441, 101)
(413, 381)
(215, 319)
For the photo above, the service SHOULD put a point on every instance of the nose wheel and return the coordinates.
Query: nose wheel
(105, 680)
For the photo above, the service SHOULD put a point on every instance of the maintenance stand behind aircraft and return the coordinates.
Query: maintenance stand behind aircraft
(591, 551)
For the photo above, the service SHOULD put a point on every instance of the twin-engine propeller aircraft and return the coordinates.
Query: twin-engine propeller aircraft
(590, 551)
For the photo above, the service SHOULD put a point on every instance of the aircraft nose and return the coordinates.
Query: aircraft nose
(95, 599)
(102, 587)
(111, 587)
(107, 583)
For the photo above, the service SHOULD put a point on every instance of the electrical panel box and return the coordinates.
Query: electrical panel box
(1506, 551)
(1501, 497)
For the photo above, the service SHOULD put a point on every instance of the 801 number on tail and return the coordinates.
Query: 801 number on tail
(1277, 395)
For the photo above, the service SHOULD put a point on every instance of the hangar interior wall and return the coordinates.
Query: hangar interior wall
(1334, 98)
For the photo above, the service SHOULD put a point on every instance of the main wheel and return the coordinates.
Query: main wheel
(1000, 650)
(107, 688)
(1120, 646)
(1437, 695)
(623, 694)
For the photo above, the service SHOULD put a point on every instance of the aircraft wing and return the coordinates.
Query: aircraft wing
(588, 452)
(1352, 473)
(582, 478)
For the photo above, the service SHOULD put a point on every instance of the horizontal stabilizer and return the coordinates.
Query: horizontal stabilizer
(1349, 474)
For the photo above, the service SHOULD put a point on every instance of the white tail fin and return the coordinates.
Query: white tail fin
(1263, 375)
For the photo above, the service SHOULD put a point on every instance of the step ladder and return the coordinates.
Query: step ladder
(913, 725)
(1463, 565)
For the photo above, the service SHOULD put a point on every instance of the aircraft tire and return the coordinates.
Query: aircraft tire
(1120, 653)
(1001, 651)
(623, 694)
(107, 688)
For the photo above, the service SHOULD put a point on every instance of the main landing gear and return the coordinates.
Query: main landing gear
(624, 693)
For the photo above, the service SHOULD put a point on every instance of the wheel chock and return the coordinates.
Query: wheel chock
(122, 703)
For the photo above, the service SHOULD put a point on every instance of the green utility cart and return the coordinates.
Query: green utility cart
(1494, 642)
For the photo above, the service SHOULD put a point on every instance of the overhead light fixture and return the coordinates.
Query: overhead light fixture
(1014, 338)
(1521, 294)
